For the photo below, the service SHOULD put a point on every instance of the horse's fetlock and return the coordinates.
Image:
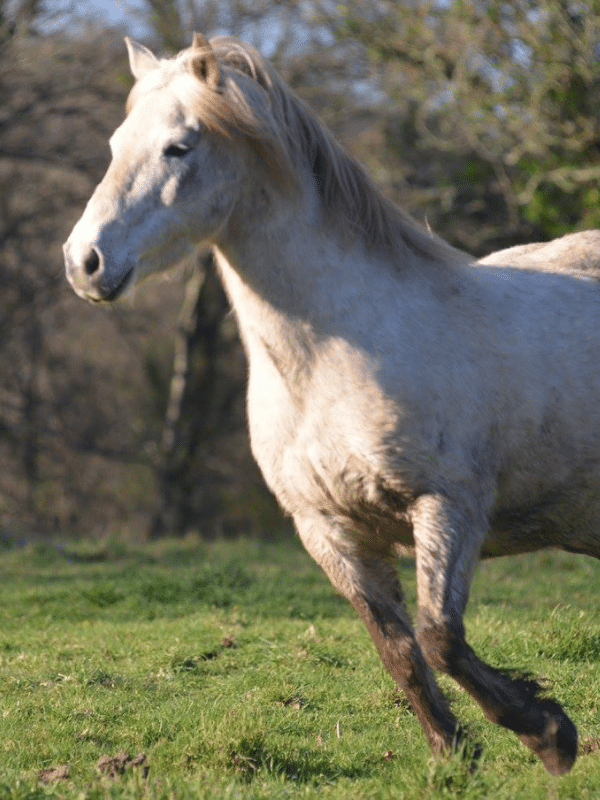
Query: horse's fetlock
(440, 644)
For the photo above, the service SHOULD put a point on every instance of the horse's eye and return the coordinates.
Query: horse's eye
(176, 150)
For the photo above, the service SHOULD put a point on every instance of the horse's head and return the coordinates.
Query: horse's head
(172, 182)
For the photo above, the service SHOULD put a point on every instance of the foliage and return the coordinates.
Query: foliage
(505, 96)
(195, 670)
(60, 100)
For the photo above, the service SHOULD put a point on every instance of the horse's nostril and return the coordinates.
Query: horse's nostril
(92, 262)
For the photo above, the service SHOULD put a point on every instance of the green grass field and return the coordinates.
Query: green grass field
(233, 670)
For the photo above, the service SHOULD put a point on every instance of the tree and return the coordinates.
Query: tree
(503, 98)
(481, 117)
(58, 417)
(204, 415)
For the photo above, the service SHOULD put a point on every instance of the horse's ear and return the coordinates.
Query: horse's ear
(141, 60)
(199, 41)
(204, 64)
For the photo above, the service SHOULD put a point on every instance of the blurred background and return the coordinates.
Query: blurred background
(480, 118)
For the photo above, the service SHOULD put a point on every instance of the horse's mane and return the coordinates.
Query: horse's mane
(254, 100)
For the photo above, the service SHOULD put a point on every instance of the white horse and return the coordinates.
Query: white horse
(399, 394)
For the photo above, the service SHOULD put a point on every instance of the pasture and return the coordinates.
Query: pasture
(233, 669)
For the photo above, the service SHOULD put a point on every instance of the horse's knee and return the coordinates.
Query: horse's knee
(442, 643)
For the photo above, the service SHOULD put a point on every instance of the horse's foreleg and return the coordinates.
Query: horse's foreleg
(370, 583)
(448, 541)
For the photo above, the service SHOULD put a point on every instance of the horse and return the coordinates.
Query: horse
(576, 253)
(400, 394)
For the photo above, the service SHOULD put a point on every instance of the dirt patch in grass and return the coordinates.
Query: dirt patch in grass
(116, 765)
(589, 746)
(54, 774)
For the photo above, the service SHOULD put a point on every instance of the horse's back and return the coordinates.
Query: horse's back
(573, 253)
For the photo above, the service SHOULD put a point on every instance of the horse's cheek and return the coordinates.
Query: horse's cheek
(169, 192)
(219, 196)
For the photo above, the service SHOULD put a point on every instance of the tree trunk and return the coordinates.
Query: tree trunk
(201, 396)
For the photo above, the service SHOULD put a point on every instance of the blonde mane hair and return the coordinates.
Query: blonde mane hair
(253, 101)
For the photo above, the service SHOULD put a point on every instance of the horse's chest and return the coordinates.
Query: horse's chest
(327, 456)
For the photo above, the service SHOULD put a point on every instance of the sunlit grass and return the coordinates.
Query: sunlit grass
(236, 671)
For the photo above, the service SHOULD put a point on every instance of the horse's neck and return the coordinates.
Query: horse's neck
(294, 286)
(271, 251)
(276, 279)
(288, 276)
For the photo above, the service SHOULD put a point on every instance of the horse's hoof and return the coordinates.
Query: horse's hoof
(464, 748)
(470, 753)
(556, 746)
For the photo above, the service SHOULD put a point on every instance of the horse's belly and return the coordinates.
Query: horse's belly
(567, 517)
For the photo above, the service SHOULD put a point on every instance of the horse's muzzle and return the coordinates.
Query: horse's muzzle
(86, 272)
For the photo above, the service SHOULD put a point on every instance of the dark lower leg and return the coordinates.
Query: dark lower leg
(513, 702)
(370, 582)
(448, 535)
(402, 657)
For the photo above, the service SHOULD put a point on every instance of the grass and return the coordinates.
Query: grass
(233, 670)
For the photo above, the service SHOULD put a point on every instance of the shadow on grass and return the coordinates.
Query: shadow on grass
(251, 756)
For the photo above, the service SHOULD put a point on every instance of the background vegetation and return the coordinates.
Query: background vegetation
(480, 118)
